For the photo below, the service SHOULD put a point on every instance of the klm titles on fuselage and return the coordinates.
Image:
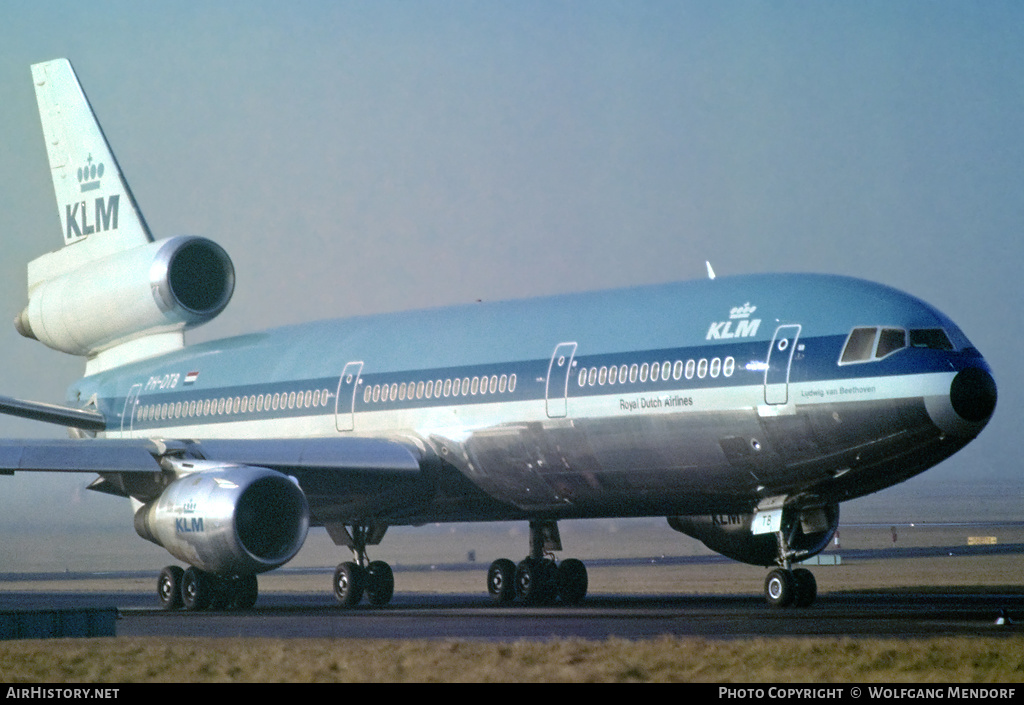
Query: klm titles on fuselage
(739, 325)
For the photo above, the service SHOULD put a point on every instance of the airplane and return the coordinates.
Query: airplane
(744, 409)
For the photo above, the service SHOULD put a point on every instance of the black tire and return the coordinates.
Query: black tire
(501, 581)
(806, 588)
(168, 587)
(197, 589)
(240, 593)
(380, 583)
(349, 583)
(572, 581)
(536, 581)
(779, 588)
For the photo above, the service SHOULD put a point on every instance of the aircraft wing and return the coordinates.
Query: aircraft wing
(350, 455)
(367, 457)
(66, 455)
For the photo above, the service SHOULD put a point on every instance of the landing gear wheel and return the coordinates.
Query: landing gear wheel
(349, 583)
(380, 583)
(240, 593)
(806, 587)
(501, 581)
(198, 588)
(536, 582)
(779, 588)
(572, 581)
(168, 587)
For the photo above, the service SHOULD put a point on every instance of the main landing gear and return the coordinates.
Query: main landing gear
(360, 576)
(538, 579)
(196, 590)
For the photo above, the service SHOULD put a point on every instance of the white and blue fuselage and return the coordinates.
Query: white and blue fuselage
(696, 397)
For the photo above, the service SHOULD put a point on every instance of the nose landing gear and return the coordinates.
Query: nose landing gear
(788, 587)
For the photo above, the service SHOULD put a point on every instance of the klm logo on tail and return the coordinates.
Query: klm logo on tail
(104, 212)
(104, 218)
(89, 176)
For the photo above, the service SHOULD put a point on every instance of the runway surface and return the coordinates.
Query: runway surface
(420, 616)
(471, 615)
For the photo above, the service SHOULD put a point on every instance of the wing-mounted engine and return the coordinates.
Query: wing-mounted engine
(164, 287)
(228, 519)
(807, 532)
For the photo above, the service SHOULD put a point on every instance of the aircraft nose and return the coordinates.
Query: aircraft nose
(973, 394)
(969, 404)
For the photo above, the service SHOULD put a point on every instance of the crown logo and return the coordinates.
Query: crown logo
(89, 175)
(743, 311)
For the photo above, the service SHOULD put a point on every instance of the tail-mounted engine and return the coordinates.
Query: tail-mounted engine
(806, 532)
(228, 519)
(164, 286)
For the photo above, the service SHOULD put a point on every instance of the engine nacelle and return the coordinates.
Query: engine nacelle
(228, 519)
(807, 532)
(165, 286)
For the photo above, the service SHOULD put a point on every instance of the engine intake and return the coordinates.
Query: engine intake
(228, 519)
(164, 286)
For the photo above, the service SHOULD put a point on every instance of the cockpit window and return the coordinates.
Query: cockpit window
(859, 346)
(931, 338)
(889, 341)
(867, 344)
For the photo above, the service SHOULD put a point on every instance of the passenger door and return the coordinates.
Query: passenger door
(345, 404)
(780, 359)
(559, 370)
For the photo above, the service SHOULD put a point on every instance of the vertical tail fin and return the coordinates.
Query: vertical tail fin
(93, 199)
(111, 293)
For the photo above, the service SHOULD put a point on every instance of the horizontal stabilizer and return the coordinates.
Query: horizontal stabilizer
(52, 413)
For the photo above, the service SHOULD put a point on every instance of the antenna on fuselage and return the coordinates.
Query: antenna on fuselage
(711, 272)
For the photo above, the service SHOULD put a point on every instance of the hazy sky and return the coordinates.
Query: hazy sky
(358, 157)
